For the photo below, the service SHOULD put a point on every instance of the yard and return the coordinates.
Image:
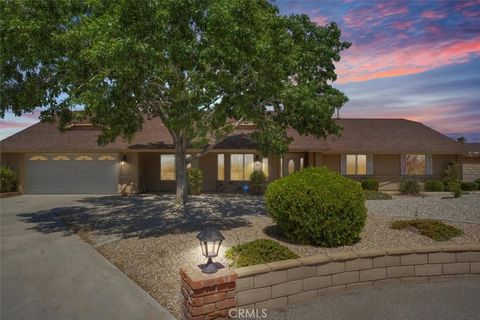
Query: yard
(147, 239)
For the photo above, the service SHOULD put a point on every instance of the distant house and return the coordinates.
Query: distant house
(50, 162)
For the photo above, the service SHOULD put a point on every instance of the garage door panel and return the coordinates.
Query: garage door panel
(71, 176)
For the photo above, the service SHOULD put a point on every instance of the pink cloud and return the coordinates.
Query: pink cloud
(4, 124)
(433, 15)
(321, 20)
(363, 63)
(356, 18)
(401, 25)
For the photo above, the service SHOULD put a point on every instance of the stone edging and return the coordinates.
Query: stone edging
(275, 285)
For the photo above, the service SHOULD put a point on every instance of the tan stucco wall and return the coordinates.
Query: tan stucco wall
(208, 164)
(441, 161)
(128, 172)
(331, 161)
(471, 168)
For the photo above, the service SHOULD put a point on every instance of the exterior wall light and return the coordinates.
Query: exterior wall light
(210, 241)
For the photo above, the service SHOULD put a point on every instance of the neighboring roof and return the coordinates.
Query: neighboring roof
(358, 135)
(473, 149)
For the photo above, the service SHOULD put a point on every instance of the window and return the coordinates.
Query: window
(241, 166)
(281, 167)
(291, 166)
(265, 166)
(220, 167)
(189, 165)
(106, 157)
(60, 158)
(38, 158)
(167, 167)
(81, 158)
(302, 163)
(415, 164)
(356, 164)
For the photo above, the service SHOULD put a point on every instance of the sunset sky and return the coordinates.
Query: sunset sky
(418, 60)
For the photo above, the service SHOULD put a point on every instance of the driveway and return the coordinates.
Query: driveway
(48, 273)
(435, 300)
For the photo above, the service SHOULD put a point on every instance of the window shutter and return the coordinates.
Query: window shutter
(343, 164)
(428, 165)
(370, 164)
(403, 164)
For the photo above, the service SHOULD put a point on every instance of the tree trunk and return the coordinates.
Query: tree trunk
(181, 172)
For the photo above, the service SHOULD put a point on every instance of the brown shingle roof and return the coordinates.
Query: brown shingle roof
(358, 135)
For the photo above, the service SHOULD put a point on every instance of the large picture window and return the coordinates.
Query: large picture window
(356, 164)
(167, 167)
(241, 166)
(415, 164)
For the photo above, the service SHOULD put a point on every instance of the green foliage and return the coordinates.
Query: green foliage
(195, 180)
(410, 186)
(451, 177)
(370, 184)
(257, 182)
(469, 186)
(434, 229)
(8, 179)
(257, 252)
(375, 195)
(434, 185)
(317, 206)
(196, 65)
(478, 183)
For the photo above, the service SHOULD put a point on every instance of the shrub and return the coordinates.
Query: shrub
(375, 195)
(257, 182)
(469, 186)
(8, 179)
(317, 206)
(195, 180)
(257, 252)
(478, 183)
(434, 229)
(370, 184)
(410, 186)
(434, 186)
(451, 176)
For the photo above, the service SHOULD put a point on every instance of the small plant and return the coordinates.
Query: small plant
(451, 176)
(437, 230)
(455, 188)
(375, 195)
(469, 186)
(317, 206)
(434, 186)
(257, 182)
(257, 252)
(478, 183)
(8, 179)
(410, 186)
(370, 184)
(195, 180)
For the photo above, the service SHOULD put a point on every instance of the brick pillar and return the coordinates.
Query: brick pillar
(207, 296)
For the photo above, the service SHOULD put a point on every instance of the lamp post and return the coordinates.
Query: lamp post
(210, 240)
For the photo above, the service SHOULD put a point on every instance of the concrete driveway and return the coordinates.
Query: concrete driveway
(49, 273)
(457, 299)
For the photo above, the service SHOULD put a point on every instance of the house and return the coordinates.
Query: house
(50, 162)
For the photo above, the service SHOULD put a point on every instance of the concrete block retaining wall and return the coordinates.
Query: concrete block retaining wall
(278, 284)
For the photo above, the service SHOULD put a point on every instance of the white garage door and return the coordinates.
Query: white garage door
(71, 173)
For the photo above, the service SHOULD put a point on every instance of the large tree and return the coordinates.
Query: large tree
(202, 67)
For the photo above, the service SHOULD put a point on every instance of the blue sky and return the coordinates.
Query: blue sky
(418, 60)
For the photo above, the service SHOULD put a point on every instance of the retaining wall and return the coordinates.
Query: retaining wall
(278, 284)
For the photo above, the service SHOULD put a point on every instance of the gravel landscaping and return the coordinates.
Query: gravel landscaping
(147, 239)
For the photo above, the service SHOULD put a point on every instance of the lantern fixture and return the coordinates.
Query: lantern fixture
(210, 240)
(124, 159)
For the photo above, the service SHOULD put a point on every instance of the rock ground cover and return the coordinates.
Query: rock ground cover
(148, 240)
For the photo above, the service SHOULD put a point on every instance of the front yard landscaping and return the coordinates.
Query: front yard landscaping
(147, 240)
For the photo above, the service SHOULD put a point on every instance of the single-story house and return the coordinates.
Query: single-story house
(50, 162)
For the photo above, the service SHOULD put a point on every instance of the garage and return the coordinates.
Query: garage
(71, 173)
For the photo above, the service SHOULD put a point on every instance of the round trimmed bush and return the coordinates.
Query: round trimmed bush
(257, 182)
(317, 206)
